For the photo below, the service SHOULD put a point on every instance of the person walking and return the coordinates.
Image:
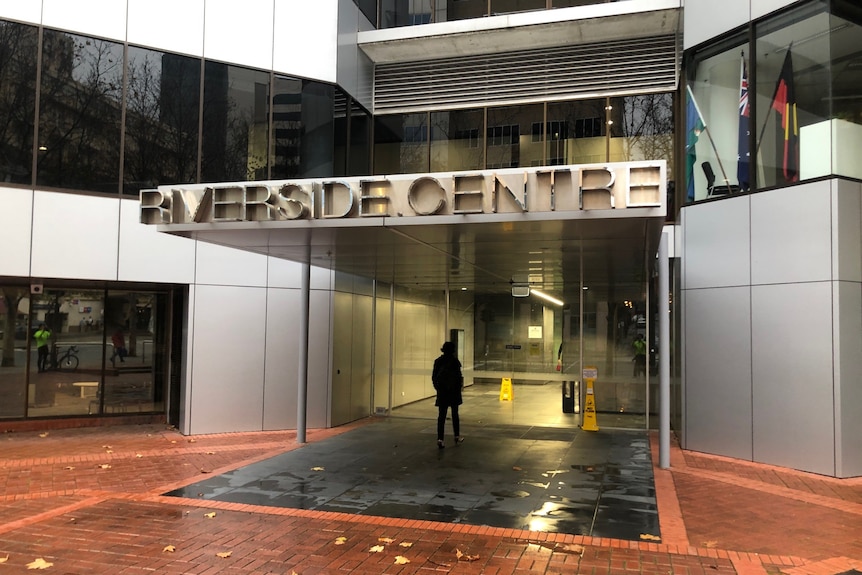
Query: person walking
(42, 335)
(448, 381)
(639, 346)
(118, 340)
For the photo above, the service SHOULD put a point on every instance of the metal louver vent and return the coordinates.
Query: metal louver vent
(620, 67)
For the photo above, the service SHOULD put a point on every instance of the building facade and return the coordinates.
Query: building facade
(99, 112)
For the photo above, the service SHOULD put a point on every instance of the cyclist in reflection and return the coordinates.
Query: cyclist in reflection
(42, 335)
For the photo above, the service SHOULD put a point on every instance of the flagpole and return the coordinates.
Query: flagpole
(709, 137)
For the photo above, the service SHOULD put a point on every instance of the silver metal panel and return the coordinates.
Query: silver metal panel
(705, 19)
(148, 256)
(300, 25)
(848, 378)
(16, 216)
(240, 32)
(763, 7)
(26, 11)
(716, 244)
(319, 358)
(83, 246)
(847, 231)
(228, 359)
(103, 18)
(283, 273)
(167, 25)
(791, 234)
(219, 265)
(282, 355)
(353, 70)
(792, 371)
(361, 349)
(342, 340)
(718, 371)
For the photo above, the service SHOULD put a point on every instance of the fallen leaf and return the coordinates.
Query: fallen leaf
(39, 564)
(173, 441)
(385, 539)
(69, 468)
(4, 559)
(138, 455)
(109, 451)
(710, 544)
(191, 440)
(573, 548)
(105, 466)
(169, 549)
(340, 540)
(405, 544)
(465, 556)
(400, 560)
(224, 554)
(43, 434)
(650, 537)
(376, 549)
(205, 471)
(317, 469)
(210, 515)
(106, 447)
(516, 468)
(210, 452)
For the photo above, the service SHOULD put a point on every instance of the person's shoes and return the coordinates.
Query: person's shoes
(459, 439)
(440, 444)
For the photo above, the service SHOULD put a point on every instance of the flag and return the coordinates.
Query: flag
(694, 125)
(784, 102)
(743, 150)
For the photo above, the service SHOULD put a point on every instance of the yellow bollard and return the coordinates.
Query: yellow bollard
(506, 390)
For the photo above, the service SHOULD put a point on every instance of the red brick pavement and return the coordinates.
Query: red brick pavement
(87, 500)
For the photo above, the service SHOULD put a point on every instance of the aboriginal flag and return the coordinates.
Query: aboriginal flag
(784, 102)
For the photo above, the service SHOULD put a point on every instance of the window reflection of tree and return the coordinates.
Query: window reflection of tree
(79, 123)
(161, 119)
(645, 124)
(18, 49)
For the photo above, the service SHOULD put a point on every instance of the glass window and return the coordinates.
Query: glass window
(465, 9)
(369, 9)
(14, 338)
(568, 3)
(18, 49)
(401, 143)
(509, 137)
(302, 128)
(79, 112)
(456, 140)
(162, 104)
(793, 95)
(641, 128)
(576, 132)
(509, 6)
(235, 124)
(359, 162)
(717, 141)
(395, 13)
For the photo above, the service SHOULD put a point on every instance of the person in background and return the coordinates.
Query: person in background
(119, 342)
(639, 346)
(448, 381)
(42, 335)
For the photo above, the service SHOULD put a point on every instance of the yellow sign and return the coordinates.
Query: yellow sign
(590, 423)
(506, 389)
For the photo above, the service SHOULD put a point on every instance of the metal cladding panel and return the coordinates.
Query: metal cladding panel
(792, 376)
(16, 211)
(718, 371)
(847, 230)
(282, 354)
(848, 375)
(619, 67)
(705, 19)
(717, 244)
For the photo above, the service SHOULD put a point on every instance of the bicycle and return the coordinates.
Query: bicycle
(67, 361)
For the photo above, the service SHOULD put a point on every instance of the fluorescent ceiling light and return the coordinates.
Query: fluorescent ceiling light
(545, 296)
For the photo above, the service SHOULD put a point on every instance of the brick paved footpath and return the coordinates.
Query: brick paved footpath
(87, 501)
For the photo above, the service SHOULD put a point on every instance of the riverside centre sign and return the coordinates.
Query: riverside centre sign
(546, 189)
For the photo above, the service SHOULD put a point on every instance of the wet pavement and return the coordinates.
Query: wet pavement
(518, 477)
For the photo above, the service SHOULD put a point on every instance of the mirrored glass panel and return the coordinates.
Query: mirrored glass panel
(401, 143)
(641, 128)
(235, 124)
(80, 112)
(465, 9)
(510, 142)
(359, 162)
(14, 339)
(509, 6)
(162, 105)
(18, 49)
(456, 140)
(575, 132)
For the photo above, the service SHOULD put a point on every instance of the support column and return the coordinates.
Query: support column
(663, 354)
(302, 363)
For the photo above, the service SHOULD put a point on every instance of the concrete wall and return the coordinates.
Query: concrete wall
(772, 290)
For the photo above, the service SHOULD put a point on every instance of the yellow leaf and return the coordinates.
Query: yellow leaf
(169, 549)
(205, 471)
(405, 544)
(317, 469)
(106, 447)
(399, 560)
(39, 564)
(340, 540)
(105, 466)
(385, 539)
(69, 468)
(173, 441)
(4, 559)
(572, 548)
(210, 452)
(138, 455)
(710, 544)
(191, 440)
(376, 549)
(43, 434)
(516, 468)
(465, 556)
(649, 537)
(210, 515)
(224, 554)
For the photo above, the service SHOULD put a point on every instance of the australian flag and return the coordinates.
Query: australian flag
(744, 152)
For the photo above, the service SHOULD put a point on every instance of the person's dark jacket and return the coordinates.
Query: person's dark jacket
(447, 379)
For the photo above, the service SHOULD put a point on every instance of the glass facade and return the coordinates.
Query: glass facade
(18, 50)
(75, 351)
(805, 116)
